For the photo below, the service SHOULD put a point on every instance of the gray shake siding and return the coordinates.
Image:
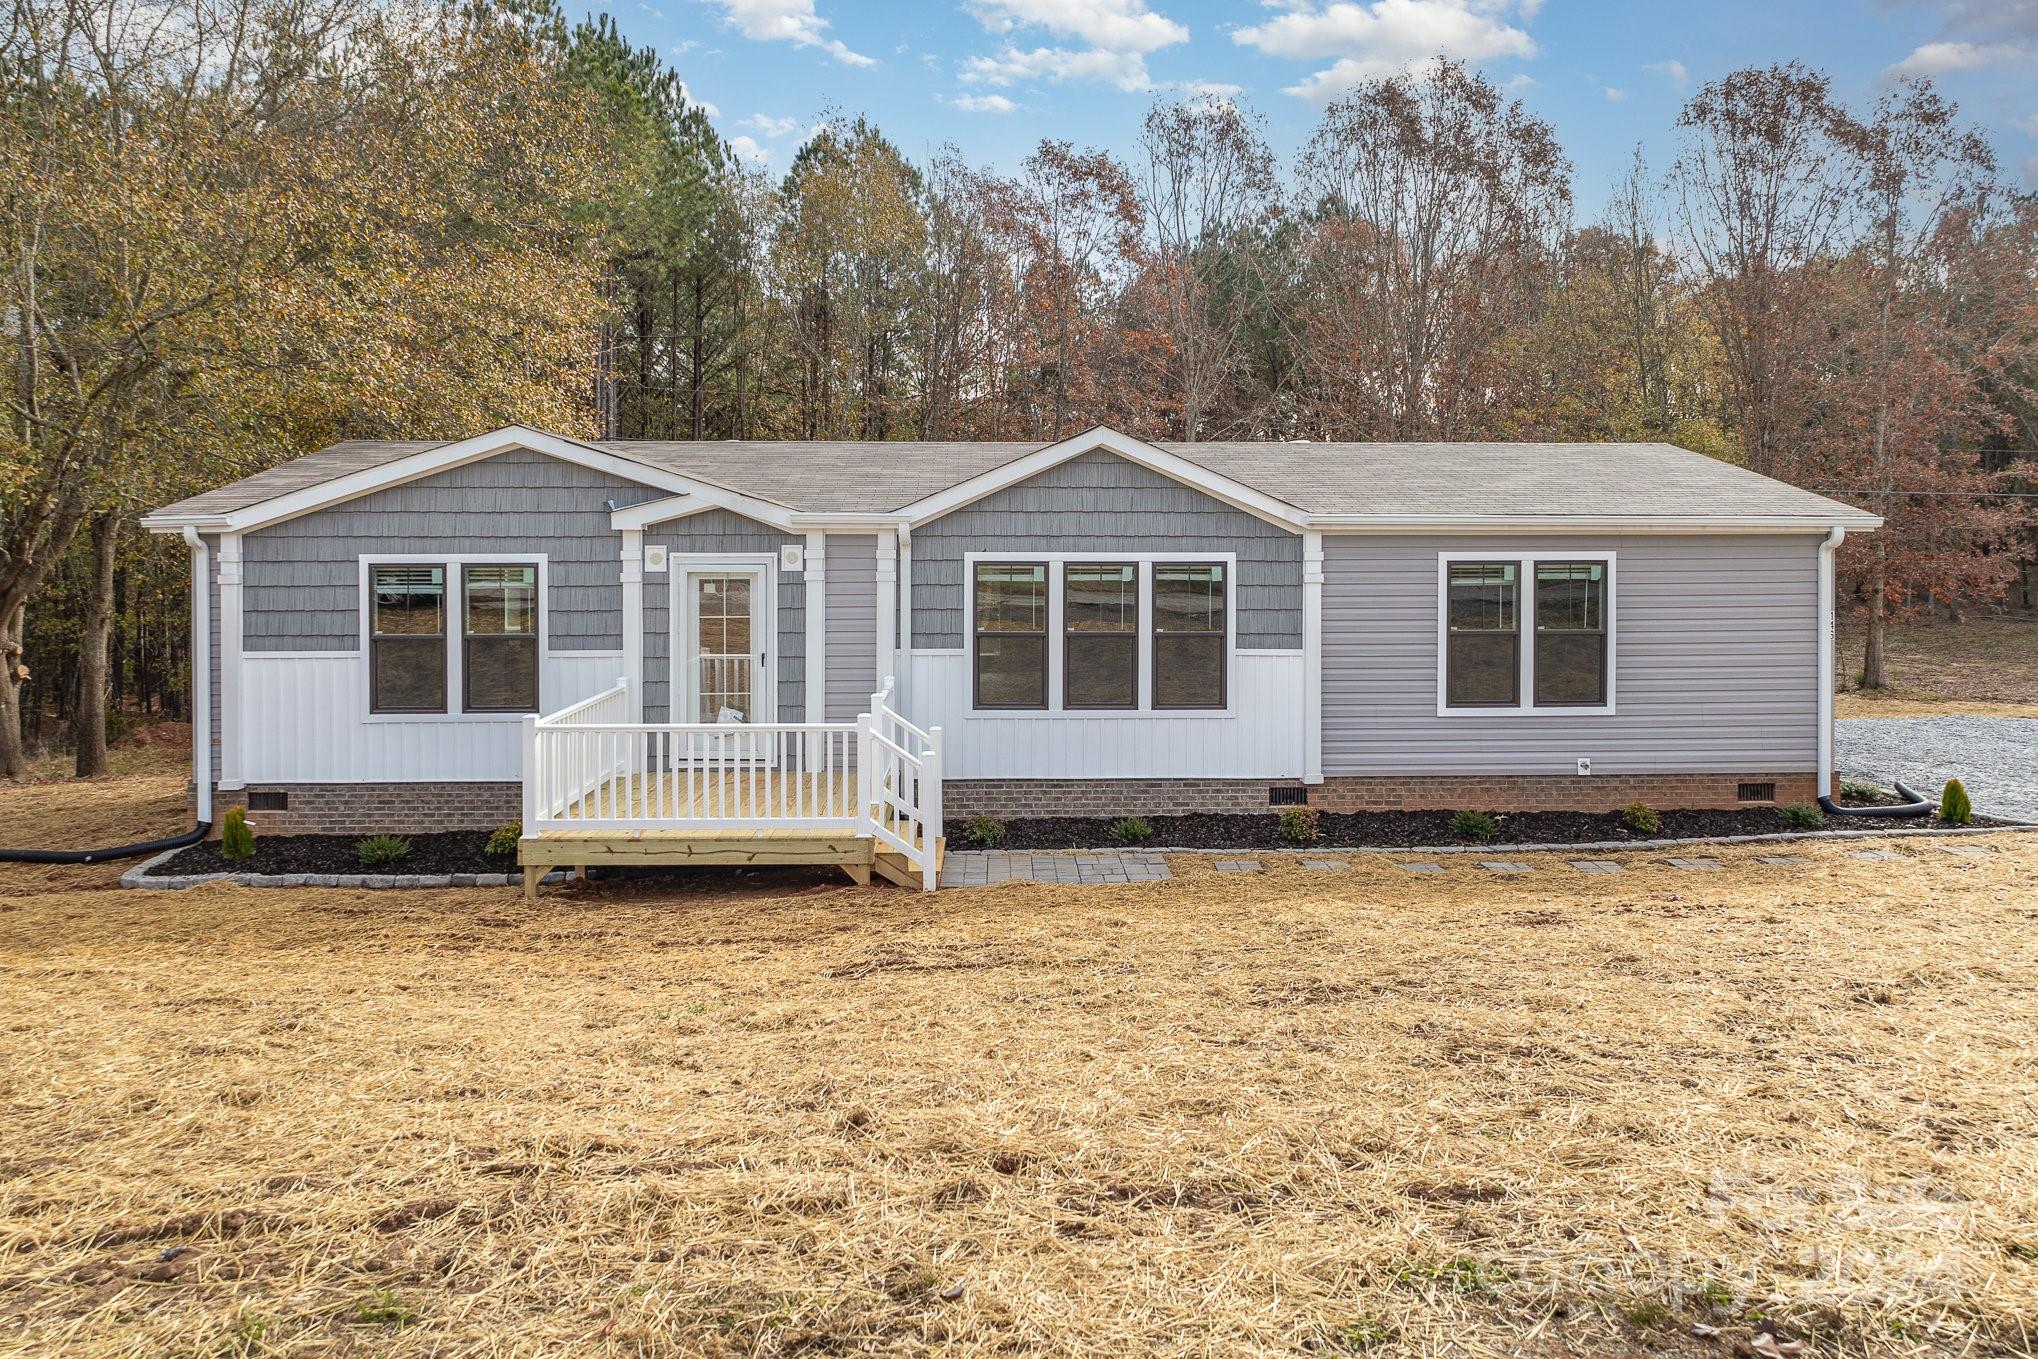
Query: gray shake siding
(852, 624)
(301, 578)
(1716, 661)
(720, 532)
(1100, 502)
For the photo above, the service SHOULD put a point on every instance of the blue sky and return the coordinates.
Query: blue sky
(995, 76)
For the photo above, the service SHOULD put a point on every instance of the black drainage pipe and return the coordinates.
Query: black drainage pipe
(1917, 806)
(93, 856)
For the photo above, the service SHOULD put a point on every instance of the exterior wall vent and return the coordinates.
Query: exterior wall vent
(268, 800)
(1757, 792)
(1281, 796)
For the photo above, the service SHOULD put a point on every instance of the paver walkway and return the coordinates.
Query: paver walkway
(1996, 757)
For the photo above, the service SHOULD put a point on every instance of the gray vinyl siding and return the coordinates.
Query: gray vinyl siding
(1716, 661)
(301, 578)
(1100, 502)
(852, 624)
(722, 532)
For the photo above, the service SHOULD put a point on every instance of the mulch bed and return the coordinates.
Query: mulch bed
(1213, 830)
(445, 852)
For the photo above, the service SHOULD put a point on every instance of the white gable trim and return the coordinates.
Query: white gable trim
(310, 499)
(1104, 439)
(649, 513)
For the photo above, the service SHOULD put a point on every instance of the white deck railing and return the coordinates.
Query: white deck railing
(589, 767)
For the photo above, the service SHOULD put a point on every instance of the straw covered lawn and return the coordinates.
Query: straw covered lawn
(1295, 1113)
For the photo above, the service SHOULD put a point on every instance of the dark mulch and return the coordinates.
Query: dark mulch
(1354, 829)
(445, 852)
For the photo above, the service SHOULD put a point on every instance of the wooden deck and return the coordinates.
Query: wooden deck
(857, 855)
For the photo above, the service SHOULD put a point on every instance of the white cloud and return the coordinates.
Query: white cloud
(1116, 37)
(1517, 82)
(1384, 37)
(985, 103)
(770, 126)
(792, 21)
(1672, 71)
(1615, 95)
(2028, 126)
(1942, 58)
(703, 105)
(746, 148)
(682, 47)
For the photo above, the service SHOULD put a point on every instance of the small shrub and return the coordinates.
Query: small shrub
(236, 837)
(1131, 830)
(1854, 790)
(1954, 807)
(1298, 825)
(1802, 815)
(1641, 818)
(1474, 826)
(984, 832)
(502, 841)
(377, 850)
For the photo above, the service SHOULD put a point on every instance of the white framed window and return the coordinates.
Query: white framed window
(1525, 632)
(1103, 633)
(453, 637)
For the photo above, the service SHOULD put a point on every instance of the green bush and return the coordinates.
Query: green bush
(984, 832)
(1474, 826)
(377, 850)
(236, 837)
(1131, 830)
(1641, 818)
(502, 841)
(1854, 790)
(1954, 807)
(1298, 825)
(1802, 815)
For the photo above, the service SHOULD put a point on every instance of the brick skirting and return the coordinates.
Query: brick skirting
(1012, 798)
(375, 808)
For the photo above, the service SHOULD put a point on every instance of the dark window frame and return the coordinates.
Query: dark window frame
(1513, 702)
(1131, 635)
(1223, 636)
(536, 638)
(442, 636)
(977, 634)
(1604, 632)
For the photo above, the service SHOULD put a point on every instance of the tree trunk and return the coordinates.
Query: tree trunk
(89, 726)
(1873, 675)
(13, 676)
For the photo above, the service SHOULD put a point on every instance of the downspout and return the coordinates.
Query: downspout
(1826, 658)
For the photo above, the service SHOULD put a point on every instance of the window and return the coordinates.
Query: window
(1011, 635)
(407, 639)
(1188, 636)
(1482, 667)
(1570, 656)
(1100, 636)
(499, 639)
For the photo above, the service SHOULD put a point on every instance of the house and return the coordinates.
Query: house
(863, 638)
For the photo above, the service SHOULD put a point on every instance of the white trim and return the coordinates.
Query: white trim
(1828, 662)
(816, 569)
(885, 657)
(651, 513)
(1584, 523)
(232, 622)
(201, 674)
(456, 625)
(1144, 562)
(1524, 613)
(1234, 493)
(679, 616)
(903, 600)
(633, 619)
(1312, 665)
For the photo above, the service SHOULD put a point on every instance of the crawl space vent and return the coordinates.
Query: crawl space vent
(1758, 792)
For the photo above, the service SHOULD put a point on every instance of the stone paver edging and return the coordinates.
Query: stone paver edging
(138, 876)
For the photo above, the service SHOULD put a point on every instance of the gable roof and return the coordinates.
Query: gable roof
(1325, 485)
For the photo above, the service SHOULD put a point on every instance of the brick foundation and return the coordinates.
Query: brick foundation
(374, 808)
(1014, 798)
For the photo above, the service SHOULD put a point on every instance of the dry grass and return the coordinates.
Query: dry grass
(1987, 666)
(1292, 1114)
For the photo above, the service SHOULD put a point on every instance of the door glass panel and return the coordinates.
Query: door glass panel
(724, 663)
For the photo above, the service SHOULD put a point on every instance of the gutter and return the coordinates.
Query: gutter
(1827, 646)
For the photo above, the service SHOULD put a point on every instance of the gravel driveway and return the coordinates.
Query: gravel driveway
(1996, 757)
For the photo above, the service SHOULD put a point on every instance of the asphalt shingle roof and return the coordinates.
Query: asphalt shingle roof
(1514, 480)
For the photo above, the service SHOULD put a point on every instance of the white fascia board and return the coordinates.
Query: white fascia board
(1233, 493)
(1602, 523)
(702, 496)
(309, 499)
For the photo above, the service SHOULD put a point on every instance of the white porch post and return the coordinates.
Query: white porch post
(633, 620)
(887, 604)
(817, 626)
(904, 692)
(232, 724)
(1312, 658)
(201, 675)
(1828, 662)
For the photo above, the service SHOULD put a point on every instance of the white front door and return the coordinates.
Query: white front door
(725, 645)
